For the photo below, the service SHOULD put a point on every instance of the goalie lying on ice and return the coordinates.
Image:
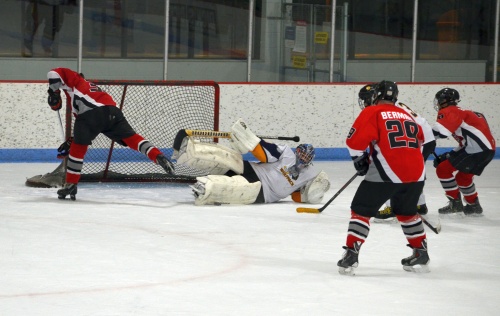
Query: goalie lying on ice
(280, 172)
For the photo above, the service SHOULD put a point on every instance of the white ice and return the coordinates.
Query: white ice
(145, 249)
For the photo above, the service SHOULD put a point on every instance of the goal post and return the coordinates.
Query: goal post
(157, 110)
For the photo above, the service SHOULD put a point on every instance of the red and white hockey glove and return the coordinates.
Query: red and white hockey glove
(361, 163)
(63, 150)
(54, 99)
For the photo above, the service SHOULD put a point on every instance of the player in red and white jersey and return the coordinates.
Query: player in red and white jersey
(96, 113)
(392, 134)
(476, 148)
(366, 97)
(394, 169)
(84, 94)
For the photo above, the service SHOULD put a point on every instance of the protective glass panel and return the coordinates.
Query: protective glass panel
(33, 28)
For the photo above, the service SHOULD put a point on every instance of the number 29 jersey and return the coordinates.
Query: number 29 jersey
(395, 141)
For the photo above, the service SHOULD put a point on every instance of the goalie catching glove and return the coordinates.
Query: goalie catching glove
(313, 191)
(54, 99)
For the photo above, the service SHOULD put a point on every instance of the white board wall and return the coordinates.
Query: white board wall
(320, 114)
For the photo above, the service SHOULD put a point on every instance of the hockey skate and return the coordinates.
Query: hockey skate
(165, 164)
(349, 260)
(454, 206)
(68, 189)
(422, 209)
(418, 261)
(385, 216)
(473, 209)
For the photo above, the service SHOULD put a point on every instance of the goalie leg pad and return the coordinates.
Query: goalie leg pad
(210, 157)
(243, 138)
(220, 189)
(314, 191)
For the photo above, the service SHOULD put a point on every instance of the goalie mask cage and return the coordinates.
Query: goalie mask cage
(157, 110)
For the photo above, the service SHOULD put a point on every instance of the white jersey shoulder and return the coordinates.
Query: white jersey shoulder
(421, 121)
(279, 179)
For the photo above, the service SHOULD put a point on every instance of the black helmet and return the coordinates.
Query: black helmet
(366, 95)
(445, 97)
(387, 90)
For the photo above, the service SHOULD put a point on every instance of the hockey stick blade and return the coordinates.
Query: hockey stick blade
(321, 209)
(307, 210)
(435, 228)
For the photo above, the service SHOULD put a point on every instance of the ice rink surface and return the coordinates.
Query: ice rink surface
(145, 249)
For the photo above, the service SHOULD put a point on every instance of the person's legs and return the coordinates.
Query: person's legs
(117, 128)
(369, 197)
(445, 172)
(467, 187)
(465, 182)
(404, 204)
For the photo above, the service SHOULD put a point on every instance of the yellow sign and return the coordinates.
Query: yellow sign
(299, 61)
(321, 37)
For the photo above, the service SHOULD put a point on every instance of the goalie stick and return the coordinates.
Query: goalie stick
(217, 134)
(319, 210)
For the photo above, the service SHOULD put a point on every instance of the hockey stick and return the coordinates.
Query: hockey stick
(61, 125)
(217, 134)
(319, 210)
(436, 229)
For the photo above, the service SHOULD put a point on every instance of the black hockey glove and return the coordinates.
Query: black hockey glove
(63, 150)
(54, 99)
(439, 159)
(361, 163)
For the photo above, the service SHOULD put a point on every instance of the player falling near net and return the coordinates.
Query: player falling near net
(95, 112)
(476, 148)
(366, 97)
(231, 180)
(394, 169)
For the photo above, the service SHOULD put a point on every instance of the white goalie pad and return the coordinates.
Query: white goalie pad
(209, 157)
(314, 191)
(218, 189)
(243, 138)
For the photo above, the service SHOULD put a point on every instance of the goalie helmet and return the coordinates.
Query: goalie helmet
(366, 95)
(387, 90)
(446, 97)
(304, 155)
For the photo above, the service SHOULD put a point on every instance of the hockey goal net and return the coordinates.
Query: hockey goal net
(157, 110)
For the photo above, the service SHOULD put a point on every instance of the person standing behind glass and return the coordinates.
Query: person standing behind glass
(50, 13)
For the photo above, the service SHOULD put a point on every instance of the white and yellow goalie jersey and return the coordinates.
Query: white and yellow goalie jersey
(278, 176)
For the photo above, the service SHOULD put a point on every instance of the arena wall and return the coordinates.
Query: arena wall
(321, 114)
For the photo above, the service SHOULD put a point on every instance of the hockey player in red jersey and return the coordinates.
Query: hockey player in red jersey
(394, 169)
(366, 98)
(476, 148)
(95, 112)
